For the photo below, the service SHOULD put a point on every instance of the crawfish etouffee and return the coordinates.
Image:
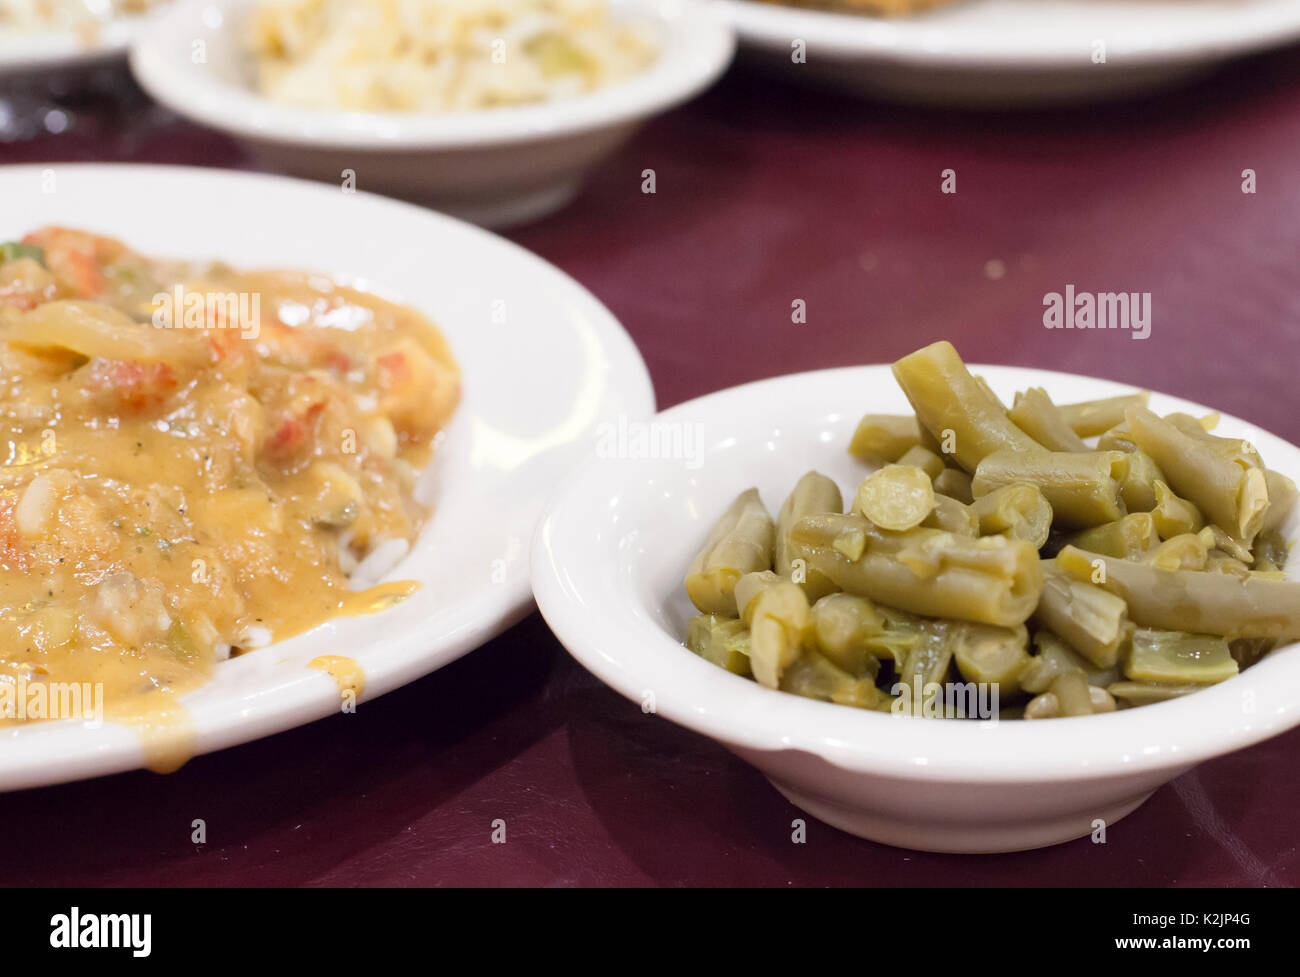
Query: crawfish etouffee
(196, 460)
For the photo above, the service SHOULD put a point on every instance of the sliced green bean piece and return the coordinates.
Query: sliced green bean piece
(724, 641)
(1118, 438)
(1232, 496)
(953, 517)
(1137, 487)
(991, 580)
(963, 416)
(881, 439)
(1130, 538)
(1055, 658)
(954, 483)
(1174, 516)
(924, 459)
(1073, 694)
(843, 626)
(814, 676)
(1185, 552)
(897, 497)
(992, 656)
(1175, 656)
(1045, 706)
(1282, 495)
(1271, 551)
(1098, 416)
(1190, 600)
(777, 616)
(1092, 621)
(1083, 488)
(814, 493)
(1215, 538)
(1146, 693)
(740, 542)
(1018, 511)
(1035, 414)
(1236, 450)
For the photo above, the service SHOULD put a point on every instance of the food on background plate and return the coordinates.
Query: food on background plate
(440, 55)
(887, 8)
(994, 545)
(84, 16)
(197, 461)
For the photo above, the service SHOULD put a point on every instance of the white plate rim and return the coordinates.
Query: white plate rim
(576, 599)
(54, 752)
(930, 38)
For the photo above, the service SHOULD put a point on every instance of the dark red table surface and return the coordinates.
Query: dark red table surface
(767, 194)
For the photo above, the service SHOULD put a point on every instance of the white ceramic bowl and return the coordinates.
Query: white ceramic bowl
(544, 366)
(495, 167)
(1004, 53)
(608, 561)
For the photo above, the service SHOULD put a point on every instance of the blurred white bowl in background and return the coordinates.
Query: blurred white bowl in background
(495, 167)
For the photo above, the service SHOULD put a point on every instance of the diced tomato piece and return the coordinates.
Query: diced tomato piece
(292, 434)
(11, 553)
(394, 368)
(131, 385)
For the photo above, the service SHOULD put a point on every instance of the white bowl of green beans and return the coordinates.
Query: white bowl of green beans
(898, 764)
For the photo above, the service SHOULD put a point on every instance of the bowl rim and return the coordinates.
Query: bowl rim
(697, 47)
(575, 585)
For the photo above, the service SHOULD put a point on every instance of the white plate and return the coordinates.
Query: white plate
(536, 390)
(495, 167)
(608, 562)
(31, 52)
(1013, 52)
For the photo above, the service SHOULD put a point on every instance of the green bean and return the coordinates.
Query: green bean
(1018, 511)
(881, 439)
(955, 408)
(813, 676)
(924, 459)
(1185, 552)
(1054, 658)
(1089, 619)
(1146, 693)
(1282, 495)
(992, 656)
(1216, 539)
(954, 483)
(1271, 551)
(1073, 694)
(896, 497)
(1175, 656)
(992, 580)
(1081, 487)
(1098, 416)
(953, 517)
(1129, 538)
(1247, 651)
(1137, 487)
(1236, 450)
(1174, 516)
(1233, 497)
(1045, 706)
(777, 614)
(842, 626)
(724, 641)
(751, 585)
(814, 493)
(740, 542)
(1191, 600)
(1117, 438)
(1035, 414)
